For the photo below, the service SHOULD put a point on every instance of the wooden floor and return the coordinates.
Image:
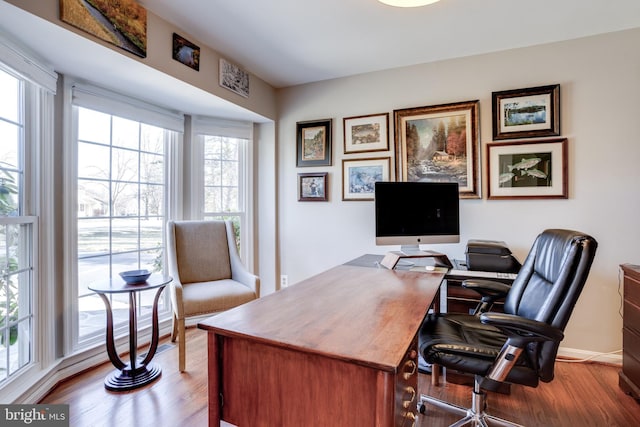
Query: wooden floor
(582, 394)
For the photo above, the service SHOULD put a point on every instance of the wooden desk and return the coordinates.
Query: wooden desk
(338, 349)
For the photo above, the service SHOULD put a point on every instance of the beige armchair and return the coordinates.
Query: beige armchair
(208, 275)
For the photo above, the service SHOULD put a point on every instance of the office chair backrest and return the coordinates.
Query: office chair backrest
(549, 284)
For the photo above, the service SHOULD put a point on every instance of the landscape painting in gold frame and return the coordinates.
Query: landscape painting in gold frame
(440, 143)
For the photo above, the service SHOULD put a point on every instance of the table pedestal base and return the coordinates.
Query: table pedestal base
(123, 380)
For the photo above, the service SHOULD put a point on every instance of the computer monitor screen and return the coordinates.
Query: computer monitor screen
(414, 213)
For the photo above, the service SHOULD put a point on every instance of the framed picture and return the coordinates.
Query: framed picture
(366, 133)
(526, 113)
(124, 26)
(234, 78)
(527, 169)
(314, 143)
(439, 143)
(360, 175)
(186, 52)
(312, 187)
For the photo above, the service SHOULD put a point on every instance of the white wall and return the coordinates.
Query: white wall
(600, 116)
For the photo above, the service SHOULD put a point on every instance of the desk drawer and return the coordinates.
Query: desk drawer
(407, 387)
(631, 365)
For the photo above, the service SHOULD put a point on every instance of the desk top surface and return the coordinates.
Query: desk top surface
(365, 315)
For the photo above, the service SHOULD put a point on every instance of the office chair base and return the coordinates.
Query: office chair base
(474, 416)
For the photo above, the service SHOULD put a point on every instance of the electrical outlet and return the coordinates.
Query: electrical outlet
(284, 281)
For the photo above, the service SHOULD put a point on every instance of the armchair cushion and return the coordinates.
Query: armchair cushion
(208, 297)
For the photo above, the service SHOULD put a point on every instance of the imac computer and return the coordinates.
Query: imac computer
(414, 213)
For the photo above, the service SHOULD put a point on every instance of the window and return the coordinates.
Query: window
(121, 193)
(16, 235)
(26, 112)
(222, 154)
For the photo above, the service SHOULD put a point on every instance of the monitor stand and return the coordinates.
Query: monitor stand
(391, 259)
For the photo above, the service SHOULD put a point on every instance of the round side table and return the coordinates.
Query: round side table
(136, 373)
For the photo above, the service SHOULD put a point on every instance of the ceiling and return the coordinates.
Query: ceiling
(292, 42)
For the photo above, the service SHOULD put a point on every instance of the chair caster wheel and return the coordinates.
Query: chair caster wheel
(422, 408)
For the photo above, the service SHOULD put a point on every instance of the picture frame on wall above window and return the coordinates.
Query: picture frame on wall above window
(439, 143)
(126, 26)
(366, 133)
(313, 187)
(313, 145)
(234, 78)
(360, 175)
(526, 113)
(186, 52)
(528, 169)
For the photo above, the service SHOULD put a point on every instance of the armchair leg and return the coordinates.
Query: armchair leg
(474, 416)
(174, 328)
(181, 345)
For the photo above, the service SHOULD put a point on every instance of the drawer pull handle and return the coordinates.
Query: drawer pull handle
(409, 369)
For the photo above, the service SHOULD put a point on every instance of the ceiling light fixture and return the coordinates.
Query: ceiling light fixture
(407, 3)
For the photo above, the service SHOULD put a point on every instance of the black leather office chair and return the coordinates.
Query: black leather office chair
(520, 345)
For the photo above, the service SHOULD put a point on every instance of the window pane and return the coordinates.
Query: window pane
(230, 173)
(213, 199)
(151, 200)
(230, 199)
(124, 166)
(94, 126)
(124, 198)
(16, 284)
(230, 149)
(93, 161)
(126, 133)
(124, 235)
(90, 270)
(9, 192)
(10, 90)
(151, 139)
(93, 238)
(93, 198)
(9, 143)
(151, 168)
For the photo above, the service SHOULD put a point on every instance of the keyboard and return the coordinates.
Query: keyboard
(482, 274)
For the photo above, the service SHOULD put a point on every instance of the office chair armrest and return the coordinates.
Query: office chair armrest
(490, 291)
(488, 288)
(521, 330)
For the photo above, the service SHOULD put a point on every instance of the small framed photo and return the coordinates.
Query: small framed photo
(360, 175)
(528, 169)
(312, 187)
(234, 78)
(440, 143)
(366, 133)
(313, 143)
(186, 52)
(526, 113)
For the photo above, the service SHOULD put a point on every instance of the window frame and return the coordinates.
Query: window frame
(39, 84)
(211, 126)
(73, 343)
